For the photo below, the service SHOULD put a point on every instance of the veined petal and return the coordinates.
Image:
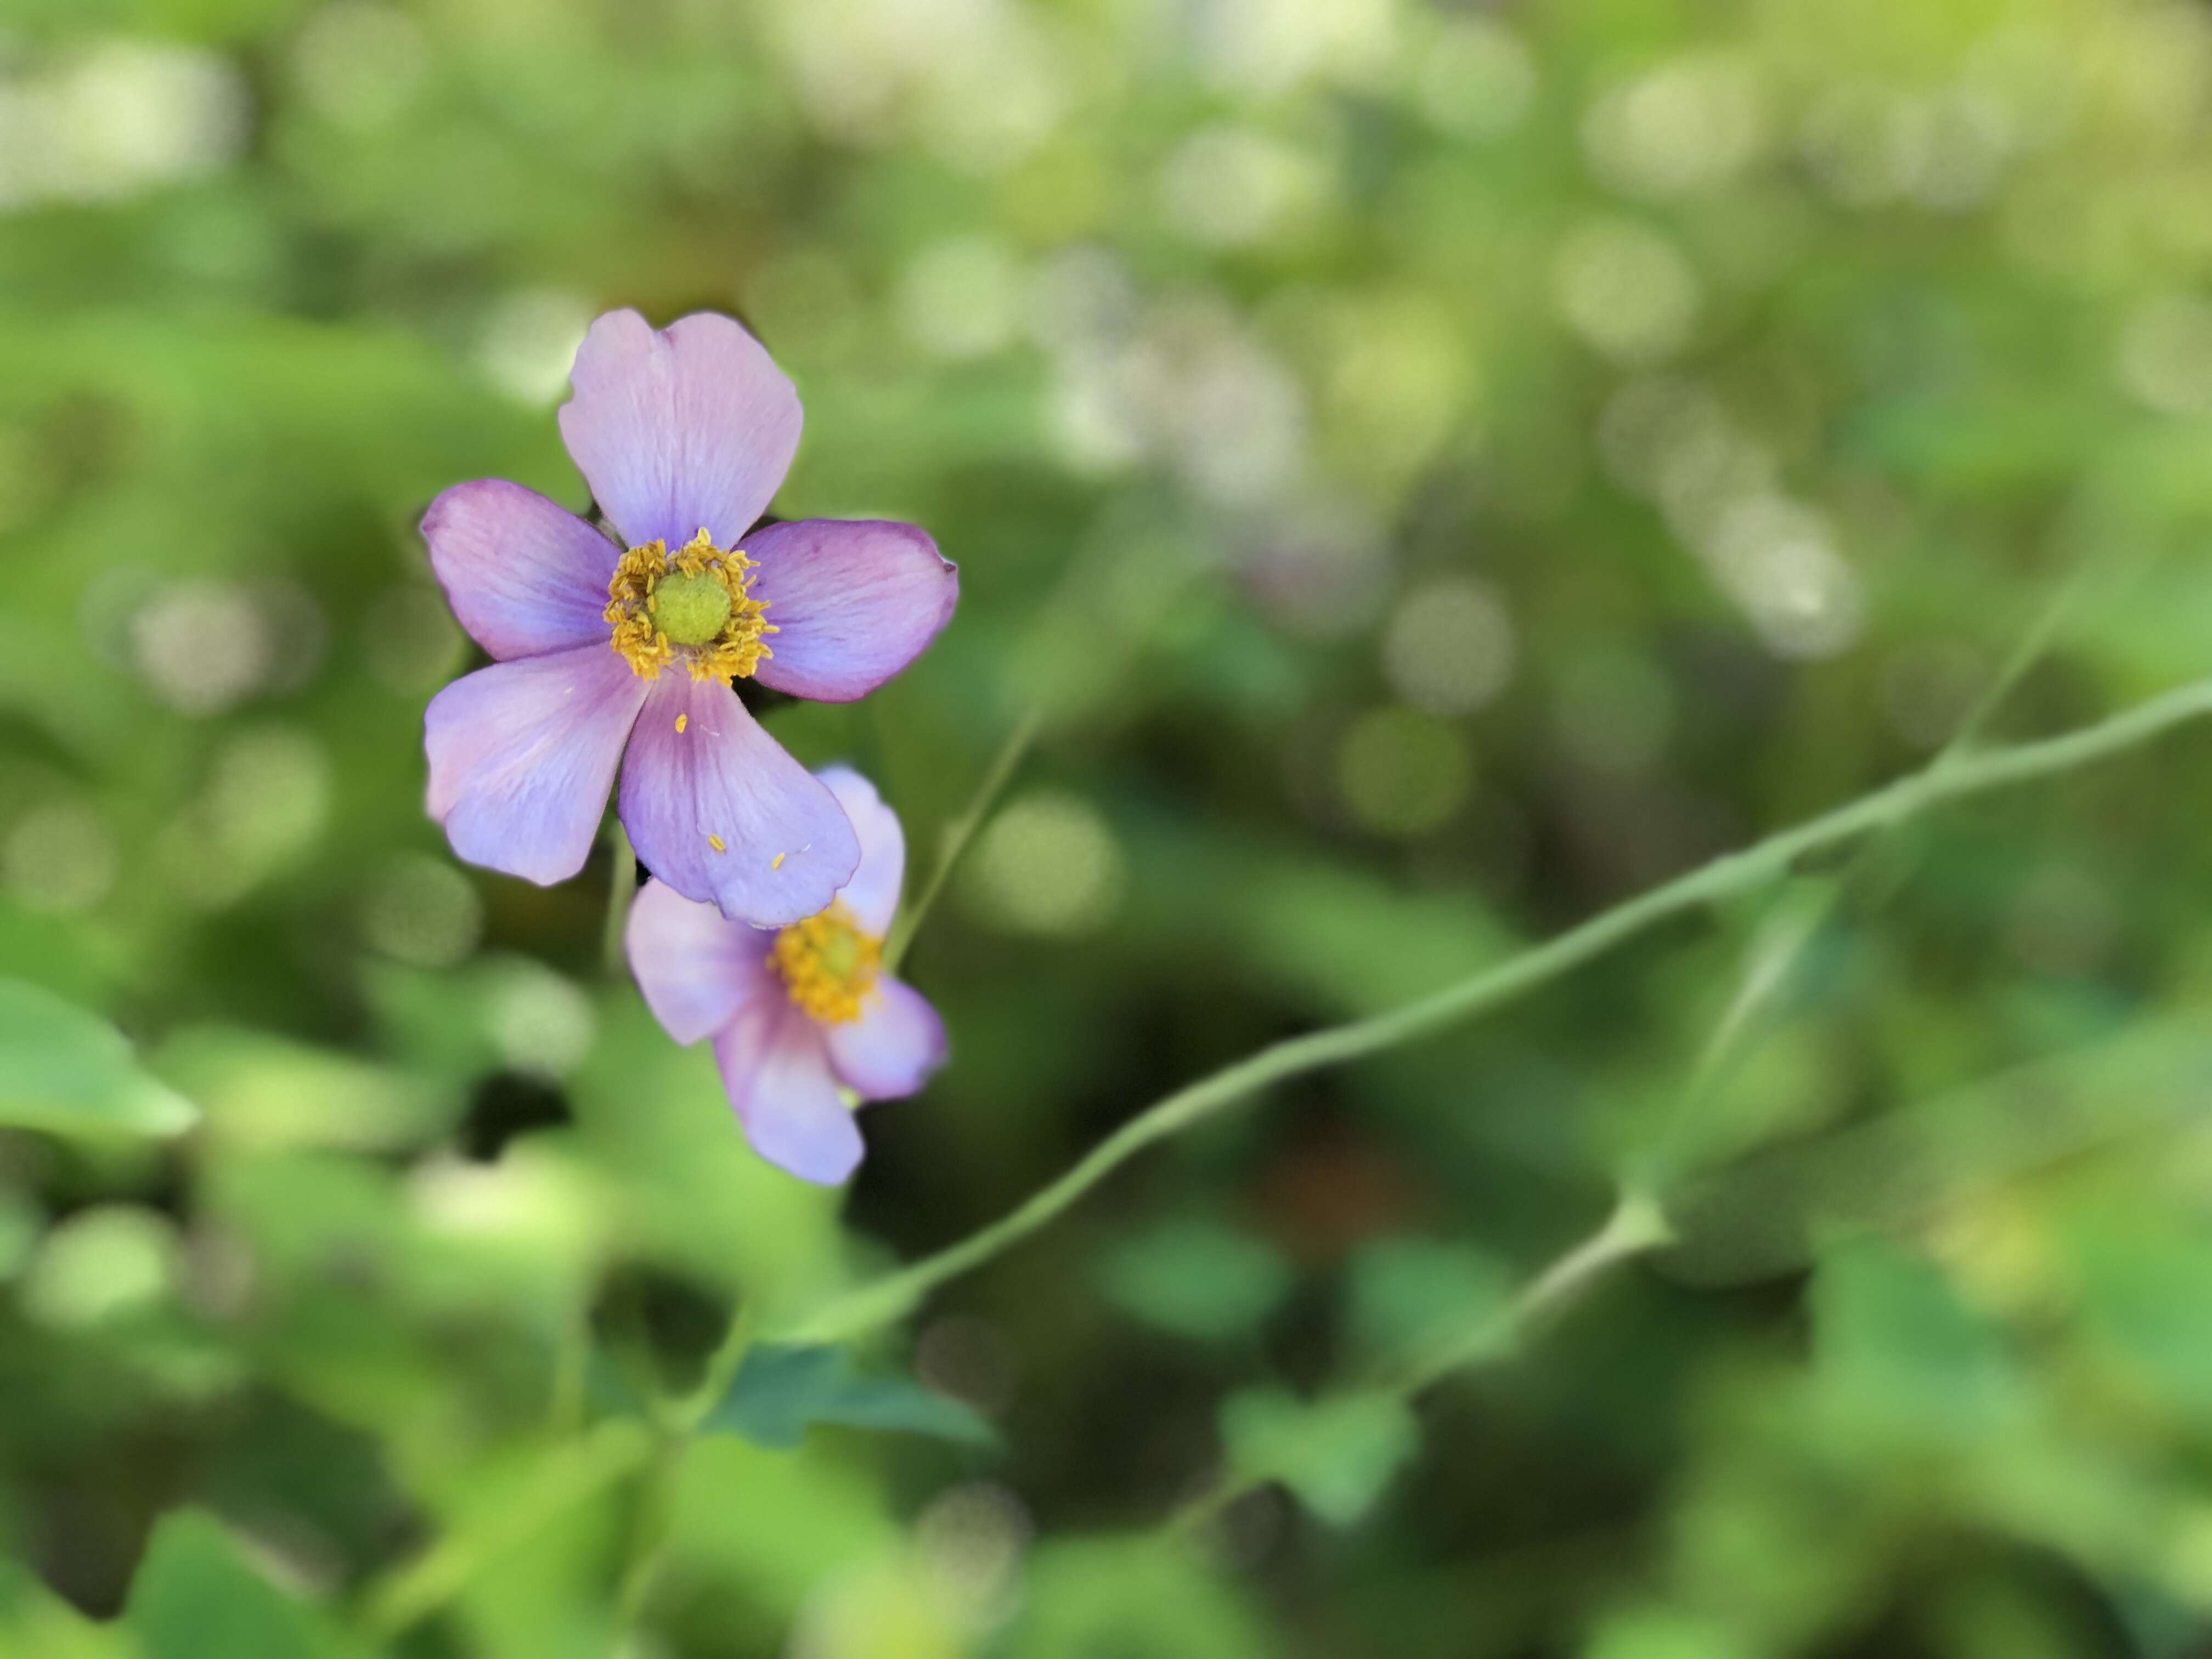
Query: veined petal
(696, 967)
(777, 1075)
(522, 754)
(524, 575)
(688, 429)
(873, 895)
(719, 811)
(852, 603)
(894, 1046)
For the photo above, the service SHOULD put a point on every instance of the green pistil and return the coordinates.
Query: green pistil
(690, 609)
(840, 955)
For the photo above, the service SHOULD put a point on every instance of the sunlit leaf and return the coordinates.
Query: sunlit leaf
(64, 1070)
(196, 1594)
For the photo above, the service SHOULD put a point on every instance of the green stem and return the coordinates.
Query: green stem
(1636, 1225)
(1775, 959)
(961, 831)
(1968, 774)
(577, 1471)
(622, 878)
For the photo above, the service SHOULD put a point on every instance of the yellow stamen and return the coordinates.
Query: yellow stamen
(717, 843)
(736, 644)
(682, 720)
(777, 863)
(828, 964)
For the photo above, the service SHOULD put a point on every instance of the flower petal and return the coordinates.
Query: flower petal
(524, 575)
(873, 895)
(852, 603)
(777, 1075)
(689, 429)
(894, 1046)
(696, 967)
(521, 756)
(785, 845)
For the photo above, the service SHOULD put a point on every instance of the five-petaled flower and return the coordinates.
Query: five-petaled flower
(683, 436)
(797, 1014)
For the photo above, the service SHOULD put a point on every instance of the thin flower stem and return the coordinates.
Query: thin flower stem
(622, 888)
(961, 831)
(1971, 773)
(1770, 968)
(1635, 1226)
(580, 1470)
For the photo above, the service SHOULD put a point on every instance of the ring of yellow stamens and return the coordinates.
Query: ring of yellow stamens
(828, 963)
(695, 605)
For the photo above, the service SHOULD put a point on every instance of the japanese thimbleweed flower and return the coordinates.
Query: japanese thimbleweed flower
(683, 436)
(799, 1013)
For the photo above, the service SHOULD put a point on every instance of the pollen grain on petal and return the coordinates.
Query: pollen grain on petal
(718, 843)
(682, 720)
(777, 863)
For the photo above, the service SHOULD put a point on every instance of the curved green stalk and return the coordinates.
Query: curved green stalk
(961, 831)
(1958, 774)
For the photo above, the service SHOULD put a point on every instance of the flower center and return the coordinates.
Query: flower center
(829, 963)
(690, 609)
(696, 603)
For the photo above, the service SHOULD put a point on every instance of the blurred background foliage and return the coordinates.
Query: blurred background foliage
(1437, 468)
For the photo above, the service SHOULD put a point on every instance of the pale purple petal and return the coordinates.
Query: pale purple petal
(787, 846)
(521, 756)
(696, 967)
(689, 429)
(852, 603)
(894, 1046)
(873, 895)
(522, 575)
(777, 1075)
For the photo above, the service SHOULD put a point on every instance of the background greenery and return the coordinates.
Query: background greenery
(1432, 472)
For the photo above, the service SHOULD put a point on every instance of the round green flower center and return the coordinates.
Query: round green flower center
(690, 609)
(839, 955)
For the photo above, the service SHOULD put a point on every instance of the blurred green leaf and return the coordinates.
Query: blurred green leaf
(197, 1595)
(1892, 1340)
(1408, 1294)
(1085, 1598)
(63, 1070)
(2143, 1274)
(1767, 1215)
(1196, 1278)
(781, 1392)
(1336, 1454)
(262, 1090)
(34, 1621)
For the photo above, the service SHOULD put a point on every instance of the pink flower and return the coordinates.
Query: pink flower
(799, 1012)
(683, 436)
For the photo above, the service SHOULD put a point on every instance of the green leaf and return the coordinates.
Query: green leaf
(1892, 1341)
(1089, 1598)
(64, 1070)
(35, 1620)
(781, 1392)
(197, 1595)
(1766, 1216)
(1408, 1295)
(1197, 1278)
(1336, 1454)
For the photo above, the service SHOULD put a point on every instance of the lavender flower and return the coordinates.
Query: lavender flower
(797, 1014)
(683, 436)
